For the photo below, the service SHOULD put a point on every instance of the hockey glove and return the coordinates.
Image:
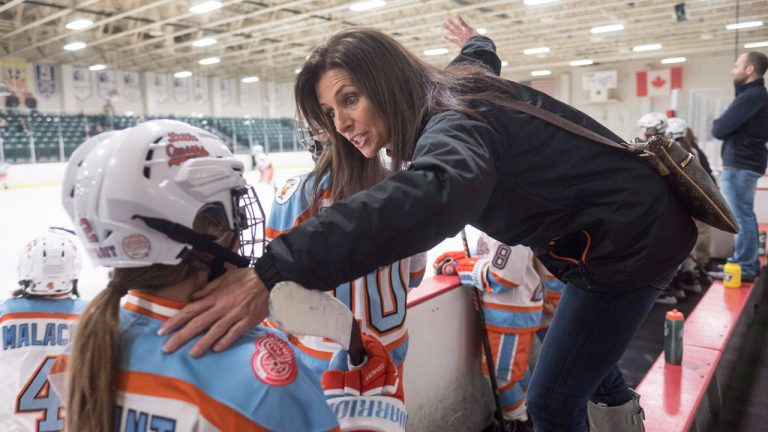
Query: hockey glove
(471, 271)
(376, 376)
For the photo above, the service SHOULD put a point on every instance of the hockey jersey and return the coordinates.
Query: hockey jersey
(377, 300)
(255, 385)
(34, 332)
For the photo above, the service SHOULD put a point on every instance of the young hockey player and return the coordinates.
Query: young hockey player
(37, 324)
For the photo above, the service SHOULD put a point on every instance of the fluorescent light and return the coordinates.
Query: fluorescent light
(366, 5)
(584, 62)
(606, 28)
(648, 47)
(79, 24)
(206, 6)
(537, 50)
(743, 25)
(543, 72)
(537, 2)
(297, 70)
(673, 60)
(209, 61)
(504, 63)
(97, 67)
(250, 79)
(74, 46)
(435, 51)
(183, 74)
(756, 44)
(204, 42)
(481, 30)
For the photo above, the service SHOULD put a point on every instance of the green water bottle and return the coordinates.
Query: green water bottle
(673, 337)
(761, 243)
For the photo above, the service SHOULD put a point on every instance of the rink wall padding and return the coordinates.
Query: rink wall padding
(444, 387)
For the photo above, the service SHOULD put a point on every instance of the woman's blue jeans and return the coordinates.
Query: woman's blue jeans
(579, 358)
(739, 188)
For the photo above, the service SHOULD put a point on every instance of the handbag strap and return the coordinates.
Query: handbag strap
(564, 123)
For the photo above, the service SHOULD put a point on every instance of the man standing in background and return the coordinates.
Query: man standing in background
(743, 127)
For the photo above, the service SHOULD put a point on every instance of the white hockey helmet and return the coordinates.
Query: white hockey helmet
(258, 149)
(75, 160)
(50, 265)
(310, 140)
(138, 193)
(677, 127)
(653, 123)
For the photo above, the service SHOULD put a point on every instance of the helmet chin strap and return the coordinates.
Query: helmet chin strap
(201, 242)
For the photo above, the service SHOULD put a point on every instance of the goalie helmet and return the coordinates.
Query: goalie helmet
(677, 127)
(653, 123)
(49, 265)
(138, 193)
(75, 160)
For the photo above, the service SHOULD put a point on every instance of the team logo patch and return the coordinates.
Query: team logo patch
(136, 246)
(273, 362)
(288, 189)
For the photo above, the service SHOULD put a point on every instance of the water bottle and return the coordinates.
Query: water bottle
(761, 243)
(732, 275)
(673, 337)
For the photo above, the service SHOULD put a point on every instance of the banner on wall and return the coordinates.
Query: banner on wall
(225, 90)
(181, 89)
(659, 82)
(200, 89)
(160, 87)
(81, 78)
(14, 74)
(131, 88)
(242, 94)
(106, 84)
(45, 80)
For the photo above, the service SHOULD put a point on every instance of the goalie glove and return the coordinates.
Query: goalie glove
(471, 271)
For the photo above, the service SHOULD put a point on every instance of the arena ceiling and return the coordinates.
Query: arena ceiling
(272, 38)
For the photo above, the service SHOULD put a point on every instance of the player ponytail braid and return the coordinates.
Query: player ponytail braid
(96, 352)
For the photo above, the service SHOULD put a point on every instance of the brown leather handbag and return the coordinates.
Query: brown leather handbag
(680, 169)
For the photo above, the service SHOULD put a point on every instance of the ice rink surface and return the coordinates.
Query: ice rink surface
(32, 204)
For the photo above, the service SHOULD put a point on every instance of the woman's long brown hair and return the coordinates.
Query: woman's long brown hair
(404, 90)
(95, 361)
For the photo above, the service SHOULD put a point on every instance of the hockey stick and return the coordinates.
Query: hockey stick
(477, 299)
(300, 311)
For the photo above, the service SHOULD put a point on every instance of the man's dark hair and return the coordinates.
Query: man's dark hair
(759, 61)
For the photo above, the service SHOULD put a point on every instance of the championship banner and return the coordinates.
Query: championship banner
(81, 78)
(181, 90)
(107, 84)
(45, 80)
(659, 82)
(200, 89)
(14, 74)
(160, 88)
(131, 89)
(225, 90)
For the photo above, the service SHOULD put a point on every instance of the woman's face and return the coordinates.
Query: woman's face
(352, 112)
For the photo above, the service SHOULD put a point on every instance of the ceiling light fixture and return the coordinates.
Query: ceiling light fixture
(744, 25)
(182, 74)
(366, 5)
(209, 61)
(537, 2)
(79, 24)
(481, 30)
(97, 67)
(75, 46)
(672, 60)
(756, 44)
(606, 28)
(648, 47)
(543, 72)
(204, 7)
(504, 63)
(250, 79)
(584, 62)
(537, 50)
(435, 51)
(204, 42)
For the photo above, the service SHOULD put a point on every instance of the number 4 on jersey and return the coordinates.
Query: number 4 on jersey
(38, 396)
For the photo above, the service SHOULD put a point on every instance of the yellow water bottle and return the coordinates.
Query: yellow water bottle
(732, 275)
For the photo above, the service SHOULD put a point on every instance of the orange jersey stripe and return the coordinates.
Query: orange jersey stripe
(157, 300)
(39, 315)
(508, 330)
(274, 233)
(503, 307)
(506, 283)
(140, 310)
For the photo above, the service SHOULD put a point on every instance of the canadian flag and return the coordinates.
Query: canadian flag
(659, 82)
